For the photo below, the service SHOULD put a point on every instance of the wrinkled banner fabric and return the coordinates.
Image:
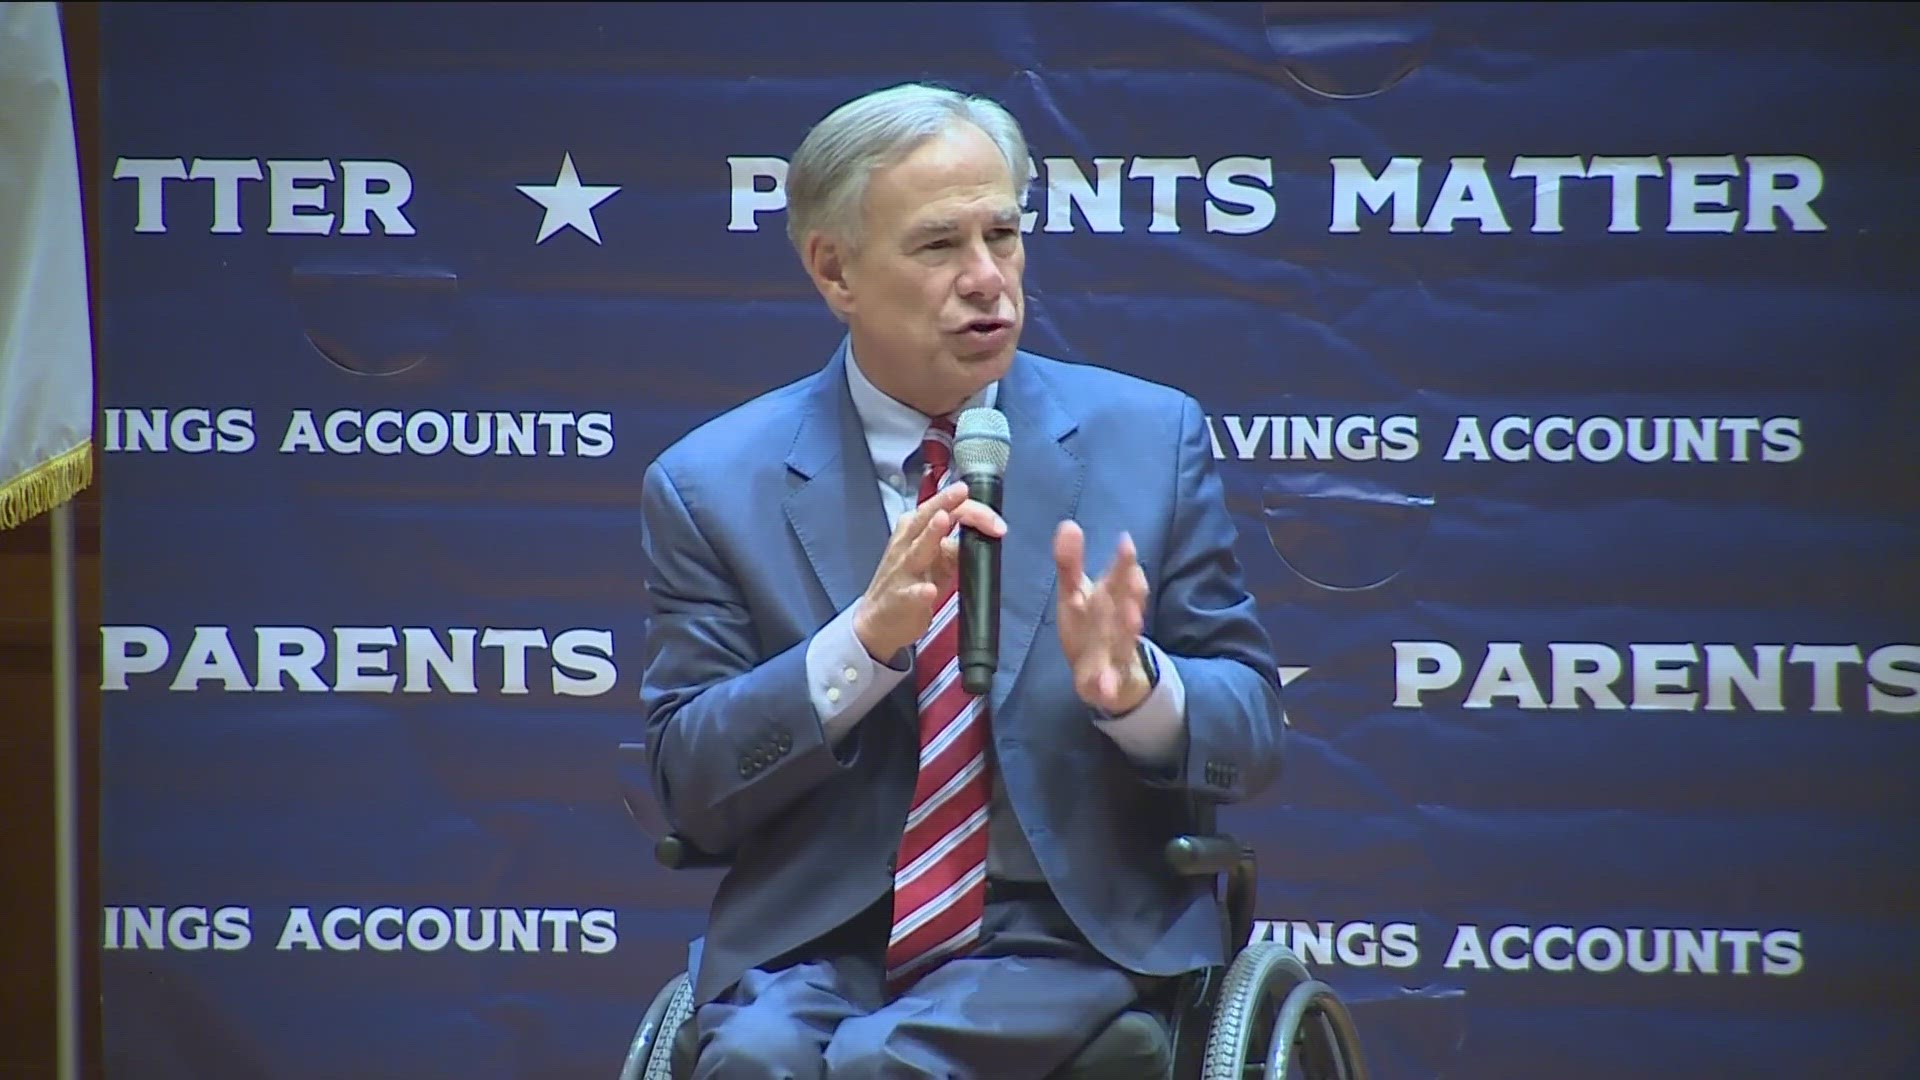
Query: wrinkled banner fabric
(1558, 361)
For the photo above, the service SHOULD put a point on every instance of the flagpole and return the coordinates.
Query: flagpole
(65, 892)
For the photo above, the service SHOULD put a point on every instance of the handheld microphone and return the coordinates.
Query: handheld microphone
(980, 451)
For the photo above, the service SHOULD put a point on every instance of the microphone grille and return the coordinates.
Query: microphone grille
(981, 443)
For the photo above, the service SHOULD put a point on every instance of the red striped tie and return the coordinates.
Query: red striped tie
(940, 880)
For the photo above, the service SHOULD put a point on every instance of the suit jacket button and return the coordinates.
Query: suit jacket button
(746, 768)
(784, 742)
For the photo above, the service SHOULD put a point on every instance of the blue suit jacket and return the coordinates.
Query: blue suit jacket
(763, 524)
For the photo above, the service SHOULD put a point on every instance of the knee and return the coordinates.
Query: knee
(862, 1049)
(753, 1044)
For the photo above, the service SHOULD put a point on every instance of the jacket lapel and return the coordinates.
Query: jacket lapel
(1042, 489)
(835, 511)
(834, 507)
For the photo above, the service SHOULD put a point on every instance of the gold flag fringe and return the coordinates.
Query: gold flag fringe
(45, 486)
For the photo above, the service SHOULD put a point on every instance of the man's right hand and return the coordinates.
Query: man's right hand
(917, 567)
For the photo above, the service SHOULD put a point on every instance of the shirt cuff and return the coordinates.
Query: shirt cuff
(1152, 733)
(843, 681)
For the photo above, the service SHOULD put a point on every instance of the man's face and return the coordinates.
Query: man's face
(933, 296)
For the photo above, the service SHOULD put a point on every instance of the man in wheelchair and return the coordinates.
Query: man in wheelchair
(935, 871)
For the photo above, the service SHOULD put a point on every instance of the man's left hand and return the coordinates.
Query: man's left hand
(1100, 622)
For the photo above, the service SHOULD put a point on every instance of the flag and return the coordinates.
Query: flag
(46, 339)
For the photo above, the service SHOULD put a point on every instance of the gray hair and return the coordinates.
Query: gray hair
(827, 178)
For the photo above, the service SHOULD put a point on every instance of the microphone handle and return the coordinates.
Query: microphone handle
(979, 589)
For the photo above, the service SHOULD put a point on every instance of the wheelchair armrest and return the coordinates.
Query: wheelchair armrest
(676, 854)
(1205, 856)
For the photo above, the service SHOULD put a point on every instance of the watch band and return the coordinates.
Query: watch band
(1148, 664)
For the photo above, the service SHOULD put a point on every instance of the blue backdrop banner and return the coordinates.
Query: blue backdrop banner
(1558, 360)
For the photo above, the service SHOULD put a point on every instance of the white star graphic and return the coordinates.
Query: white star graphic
(1287, 675)
(569, 203)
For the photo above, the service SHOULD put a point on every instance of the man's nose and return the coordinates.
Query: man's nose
(982, 276)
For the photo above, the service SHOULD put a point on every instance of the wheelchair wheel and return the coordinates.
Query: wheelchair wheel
(1249, 1007)
(1315, 1032)
(650, 1057)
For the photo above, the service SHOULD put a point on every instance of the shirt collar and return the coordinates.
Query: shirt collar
(895, 430)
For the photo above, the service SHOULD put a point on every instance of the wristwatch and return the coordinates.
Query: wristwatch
(1148, 664)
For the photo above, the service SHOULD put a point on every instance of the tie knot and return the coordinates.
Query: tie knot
(937, 443)
(936, 453)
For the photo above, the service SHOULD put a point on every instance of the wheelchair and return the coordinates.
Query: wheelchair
(1263, 1014)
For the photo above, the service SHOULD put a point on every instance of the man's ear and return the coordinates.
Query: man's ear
(827, 265)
